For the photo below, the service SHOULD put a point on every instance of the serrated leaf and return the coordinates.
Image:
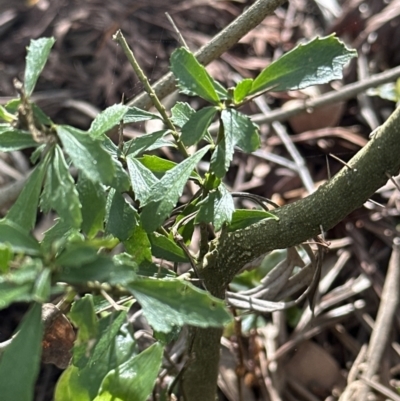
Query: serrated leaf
(197, 125)
(19, 239)
(87, 154)
(59, 192)
(41, 291)
(317, 62)
(134, 379)
(20, 362)
(23, 212)
(192, 78)
(142, 179)
(238, 130)
(135, 115)
(243, 218)
(168, 303)
(165, 194)
(38, 52)
(217, 208)
(181, 113)
(242, 89)
(164, 248)
(145, 142)
(15, 139)
(121, 216)
(107, 119)
(92, 197)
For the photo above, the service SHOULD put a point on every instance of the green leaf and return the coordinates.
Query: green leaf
(92, 197)
(105, 351)
(164, 248)
(6, 115)
(6, 255)
(145, 142)
(15, 139)
(83, 316)
(217, 208)
(121, 217)
(238, 130)
(138, 245)
(19, 239)
(38, 52)
(142, 179)
(242, 89)
(197, 125)
(100, 269)
(135, 115)
(107, 119)
(192, 78)
(134, 379)
(41, 291)
(87, 154)
(120, 180)
(57, 235)
(59, 192)
(181, 113)
(157, 165)
(317, 62)
(23, 212)
(168, 303)
(165, 193)
(243, 218)
(20, 362)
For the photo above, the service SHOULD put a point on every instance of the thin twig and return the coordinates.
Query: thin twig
(120, 39)
(345, 93)
(215, 47)
(387, 309)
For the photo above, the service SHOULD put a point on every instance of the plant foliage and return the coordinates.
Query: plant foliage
(117, 211)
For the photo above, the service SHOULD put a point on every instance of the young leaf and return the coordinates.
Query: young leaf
(192, 78)
(23, 212)
(6, 255)
(15, 139)
(242, 89)
(121, 217)
(107, 119)
(317, 62)
(164, 248)
(168, 303)
(197, 125)
(217, 208)
(243, 218)
(165, 193)
(134, 379)
(135, 115)
(142, 179)
(20, 362)
(146, 142)
(38, 52)
(83, 316)
(18, 238)
(6, 116)
(92, 197)
(138, 245)
(238, 130)
(87, 154)
(181, 113)
(59, 191)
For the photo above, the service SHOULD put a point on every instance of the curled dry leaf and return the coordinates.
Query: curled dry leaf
(58, 338)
